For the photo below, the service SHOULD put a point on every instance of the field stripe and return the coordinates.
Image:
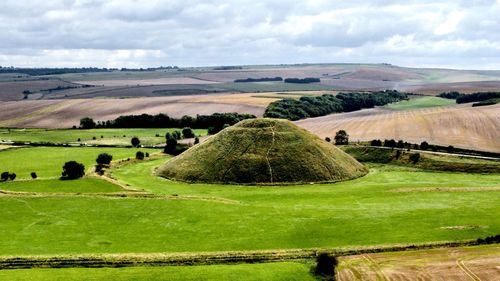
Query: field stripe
(467, 271)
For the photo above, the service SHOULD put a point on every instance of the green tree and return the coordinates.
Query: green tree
(4, 176)
(73, 170)
(171, 146)
(187, 133)
(135, 141)
(341, 138)
(424, 145)
(104, 159)
(139, 155)
(87, 123)
(325, 266)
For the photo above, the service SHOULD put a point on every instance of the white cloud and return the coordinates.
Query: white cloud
(131, 33)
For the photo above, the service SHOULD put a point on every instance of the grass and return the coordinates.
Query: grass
(47, 162)
(87, 185)
(420, 102)
(365, 211)
(110, 136)
(267, 271)
(263, 151)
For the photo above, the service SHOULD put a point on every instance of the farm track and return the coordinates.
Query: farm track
(204, 258)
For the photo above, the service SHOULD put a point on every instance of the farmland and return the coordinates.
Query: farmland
(420, 102)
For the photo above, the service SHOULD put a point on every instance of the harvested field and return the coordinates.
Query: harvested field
(466, 263)
(459, 125)
(463, 87)
(14, 90)
(146, 82)
(66, 113)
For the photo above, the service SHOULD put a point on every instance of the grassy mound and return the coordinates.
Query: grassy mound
(263, 151)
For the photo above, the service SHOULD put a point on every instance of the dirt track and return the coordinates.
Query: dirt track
(461, 126)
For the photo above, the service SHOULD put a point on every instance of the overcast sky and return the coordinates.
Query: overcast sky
(129, 33)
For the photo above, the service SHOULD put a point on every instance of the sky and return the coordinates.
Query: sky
(130, 33)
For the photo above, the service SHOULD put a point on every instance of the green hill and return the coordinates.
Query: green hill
(263, 151)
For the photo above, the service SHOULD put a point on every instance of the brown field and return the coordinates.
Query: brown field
(66, 113)
(14, 90)
(463, 87)
(146, 82)
(464, 263)
(459, 125)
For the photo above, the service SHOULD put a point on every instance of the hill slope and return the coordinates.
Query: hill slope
(264, 151)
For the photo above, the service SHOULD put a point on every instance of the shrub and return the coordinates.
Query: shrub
(415, 158)
(390, 143)
(196, 140)
(450, 149)
(94, 138)
(34, 175)
(4, 176)
(171, 146)
(12, 176)
(73, 170)
(147, 154)
(327, 139)
(212, 130)
(135, 141)
(325, 266)
(400, 144)
(87, 123)
(376, 143)
(79, 139)
(187, 133)
(176, 135)
(341, 138)
(168, 136)
(104, 159)
(139, 155)
(424, 145)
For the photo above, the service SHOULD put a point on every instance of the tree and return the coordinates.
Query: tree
(73, 170)
(139, 155)
(104, 159)
(176, 135)
(87, 123)
(135, 141)
(327, 139)
(4, 176)
(168, 136)
(12, 176)
(212, 130)
(196, 140)
(400, 144)
(424, 145)
(325, 266)
(450, 149)
(171, 146)
(390, 143)
(187, 133)
(415, 158)
(33, 175)
(341, 138)
(376, 143)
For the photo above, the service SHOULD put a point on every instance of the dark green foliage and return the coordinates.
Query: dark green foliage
(327, 139)
(450, 95)
(306, 107)
(171, 146)
(424, 145)
(265, 79)
(176, 135)
(400, 144)
(414, 158)
(12, 176)
(302, 81)
(450, 149)
(486, 102)
(50, 71)
(196, 140)
(187, 133)
(34, 175)
(104, 159)
(478, 97)
(325, 266)
(73, 170)
(135, 141)
(212, 130)
(147, 154)
(4, 176)
(168, 135)
(341, 138)
(489, 240)
(390, 143)
(87, 123)
(376, 143)
(139, 155)
(216, 120)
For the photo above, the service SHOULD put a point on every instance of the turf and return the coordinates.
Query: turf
(109, 136)
(264, 151)
(365, 211)
(47, 162)
(268, 271)
(420, 102)
(87, 185)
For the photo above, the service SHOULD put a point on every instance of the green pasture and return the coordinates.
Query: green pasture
(102, 136)
(420, 102)
(288, 271)
(390, 205)
(86, 185)
(47, 162)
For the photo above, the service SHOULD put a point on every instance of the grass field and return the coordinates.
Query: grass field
(366, 211)
(86, 185)
(102, 136)
(288, 271)
(420, 102)
(47, 162)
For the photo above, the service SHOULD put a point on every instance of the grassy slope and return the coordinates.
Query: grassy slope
(87, 185)
(110, 136)
(420, 102)
(365, 211)
(47, 162)
(270, 271)
(263, 151)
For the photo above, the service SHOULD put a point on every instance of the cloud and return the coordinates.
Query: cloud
(132, 33)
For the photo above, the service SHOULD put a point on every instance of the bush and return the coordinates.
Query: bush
(341, 138)
(139, 155)
(187, 133)
(171, 146)
(390, 143)
(424, 145)
(135, 141)
(73, 170)
(147, 154)
(212, 130)
(4, 176)
(12, 176)
(104, 159)
(34, 175)
(376, 143)
(450, 149)
(87, 123)
(176, 135)
(325, 266)
(196, 140)
(327, 139)
(415, 158)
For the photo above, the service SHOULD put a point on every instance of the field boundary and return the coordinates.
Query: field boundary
(205, 258)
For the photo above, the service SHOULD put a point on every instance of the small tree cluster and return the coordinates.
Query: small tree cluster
(104, 159)
(325, 267)
(5, 176)
(187, 133)
(73, 170)
(376, 143)
(87, 123)
(341, 138)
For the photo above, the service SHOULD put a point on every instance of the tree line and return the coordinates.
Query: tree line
(213, 123)
(466, 98)
(265, 79)
(307, 106)
(302, 81)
